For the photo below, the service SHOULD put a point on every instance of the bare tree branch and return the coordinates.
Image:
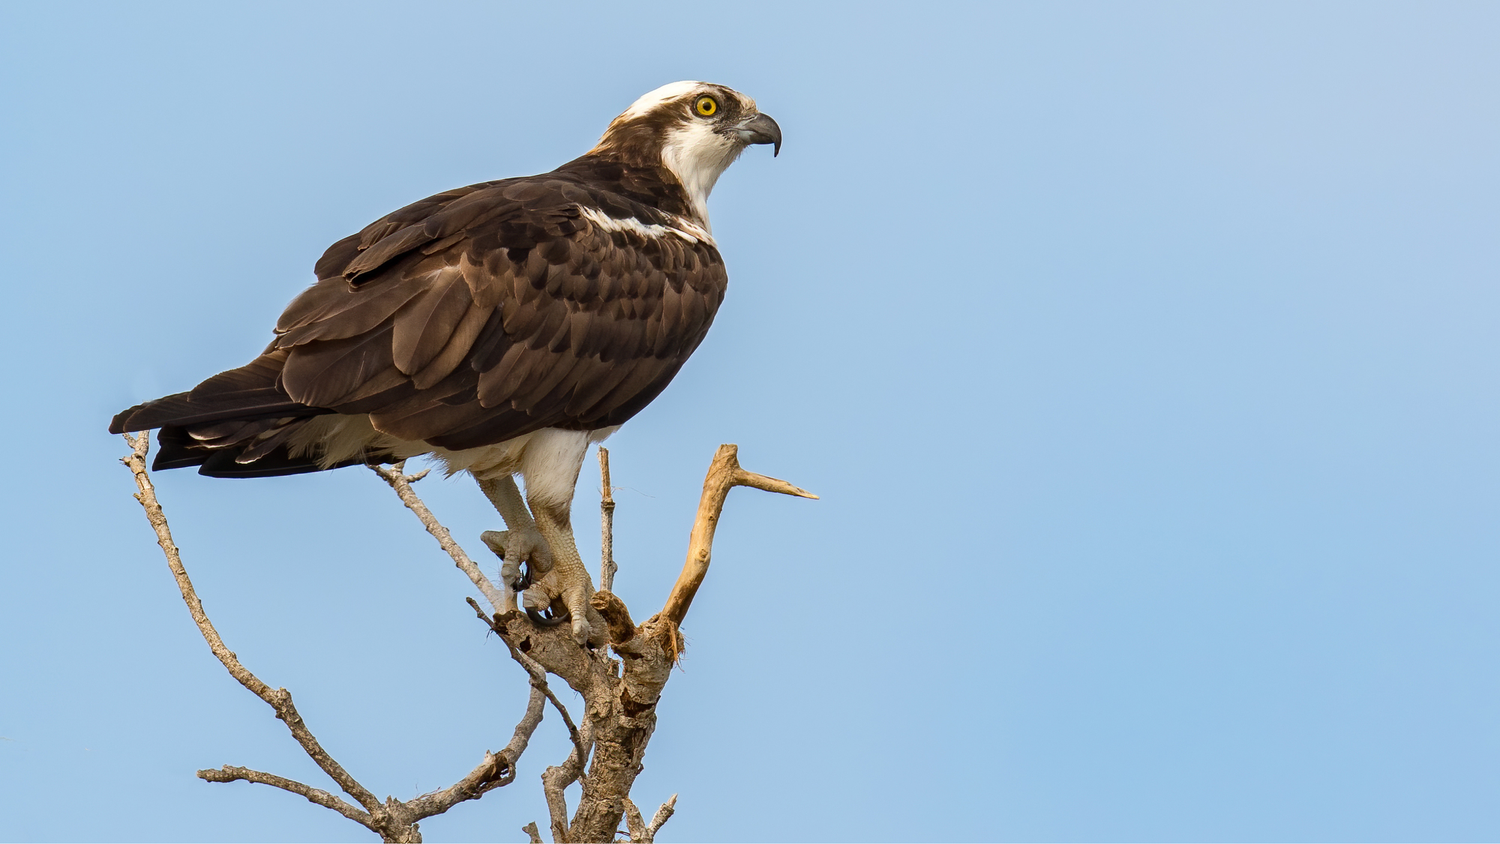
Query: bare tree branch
(607, 566)
(620, 696)
(662, 816)
(555, 781)
(536, 705)
(393, 820)
(724, 474)
(635, 825)
(639, 831)
(492, 773)
(531, 831)
(279, 700)
(617, 618)
(401, 483)
(538, 676)
(231, 773)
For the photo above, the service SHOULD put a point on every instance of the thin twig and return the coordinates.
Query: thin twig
(607, 566)
(662, 816)
(231, 773)
(401, 483)
(639, 831)
(279, 700)
(538, 676)
(555, 781)
(536, 707)
(724, 474)
(393, 820)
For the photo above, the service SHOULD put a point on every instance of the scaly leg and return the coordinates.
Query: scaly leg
(568, 579)
(520, 543)
(557, 571)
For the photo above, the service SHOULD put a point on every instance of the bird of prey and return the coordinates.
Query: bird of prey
(500, 327)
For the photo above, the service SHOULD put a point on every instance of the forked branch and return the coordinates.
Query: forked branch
(620, 697)
(392, 820)
(724, 474)
(279, 700)
(642, 832)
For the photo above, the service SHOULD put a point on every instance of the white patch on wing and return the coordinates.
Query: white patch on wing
(685, 229)
(651, 99)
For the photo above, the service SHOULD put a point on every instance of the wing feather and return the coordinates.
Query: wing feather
(426, 324)
(498, 383)
(332, 310)
(321, 374)
(460, 345)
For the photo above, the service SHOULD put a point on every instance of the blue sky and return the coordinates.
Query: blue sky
(1144, 358)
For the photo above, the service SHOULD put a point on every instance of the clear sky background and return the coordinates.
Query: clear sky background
(1145, 357)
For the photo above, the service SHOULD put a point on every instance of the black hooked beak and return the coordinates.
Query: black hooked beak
(760, 129)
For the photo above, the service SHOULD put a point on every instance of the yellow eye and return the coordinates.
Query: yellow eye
(707, 106)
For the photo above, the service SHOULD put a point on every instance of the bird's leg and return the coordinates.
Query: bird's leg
(545, 544)
(568, 580)
(520, 543)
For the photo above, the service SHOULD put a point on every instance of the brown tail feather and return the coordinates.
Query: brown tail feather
(248, 396)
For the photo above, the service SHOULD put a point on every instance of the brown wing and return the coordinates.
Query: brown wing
(491, 311)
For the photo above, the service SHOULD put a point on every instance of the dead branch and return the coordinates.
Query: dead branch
(662, 816)
(555, 781)
(279, 700)
(638, 829)
(538, 677)
(393, 820)
(401, 483)
(557, 778)
(635, 825)
(535, 706)
(617, 620)
(620, 698)
(494, 772)
(607, 566)
(231, 773)
(724, 474)
(642, 833)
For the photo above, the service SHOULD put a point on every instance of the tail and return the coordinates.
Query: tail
(234, 425)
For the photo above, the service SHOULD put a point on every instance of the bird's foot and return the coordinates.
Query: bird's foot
(524, 555)
(550, 593)
(563, 594)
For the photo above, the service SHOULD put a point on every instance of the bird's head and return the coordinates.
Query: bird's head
(694, 129)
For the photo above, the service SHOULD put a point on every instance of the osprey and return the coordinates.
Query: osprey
(500, 327)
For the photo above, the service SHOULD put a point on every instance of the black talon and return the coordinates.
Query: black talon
(544, 620)
(522, 583)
